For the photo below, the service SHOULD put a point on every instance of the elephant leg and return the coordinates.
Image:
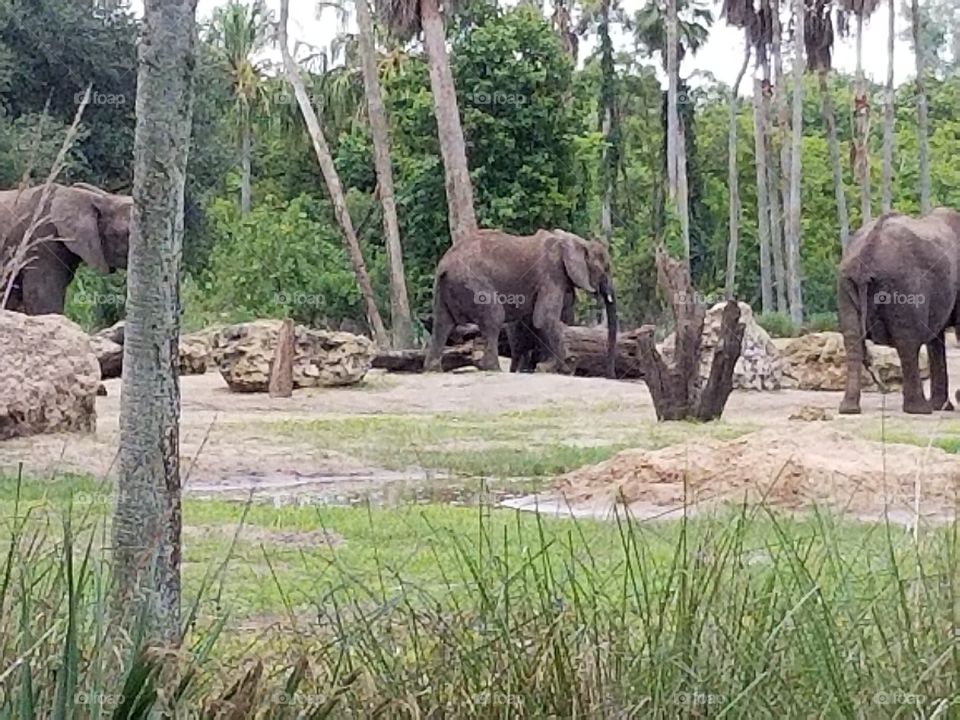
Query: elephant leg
(546, 320)
(443, 325)
(490, 324)
(939, 381)
(914, 401)
(523, 346)
(44, 285)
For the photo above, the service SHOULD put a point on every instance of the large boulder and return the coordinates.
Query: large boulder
(109, 356)
(49, 376)
(244, 353)
(818, 362)
(759, 366)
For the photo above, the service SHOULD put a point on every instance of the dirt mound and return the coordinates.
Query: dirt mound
(786, 467)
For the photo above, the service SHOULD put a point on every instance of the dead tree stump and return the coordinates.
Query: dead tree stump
(281, 369)
(677, 391)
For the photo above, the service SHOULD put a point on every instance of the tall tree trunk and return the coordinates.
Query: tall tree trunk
(922, 131)
(245, 173)
(773, 199)
(607, 84)
(462, 218)
(829, 122)
(733, 181)
(332, 180)
(763, 202)
(886, 200)
(400, 323)
(673, 119)
(147, 517)
(683, 190)
(782, 166)
(861, 110)
(792, 246)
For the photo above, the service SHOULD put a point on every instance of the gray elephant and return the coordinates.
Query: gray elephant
(80, 223)
(493, 278)
(527, 344)
(899, 285)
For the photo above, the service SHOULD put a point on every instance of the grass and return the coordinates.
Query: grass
(944, 435)
(438, 611)
(530, 443)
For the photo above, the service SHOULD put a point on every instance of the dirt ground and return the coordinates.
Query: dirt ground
(227, 443)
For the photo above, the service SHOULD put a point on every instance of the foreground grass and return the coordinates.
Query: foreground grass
(474, 612)
(528, 443)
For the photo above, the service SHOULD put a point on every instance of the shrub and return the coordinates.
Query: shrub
(821, 322)
(777, 324)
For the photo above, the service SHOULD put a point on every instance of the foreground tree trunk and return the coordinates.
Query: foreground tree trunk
(401, 327)
(676, 391)
(673, 118)
(830, 125)
(792, 246)
(922, 131)
(886, 197)
(332, 180)
(462, 218)
(733, 181)
(246, 148)
(147, 518)
(763, 201)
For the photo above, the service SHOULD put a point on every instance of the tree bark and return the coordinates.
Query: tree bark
(792, 246)
(861, 113)
(281, 369)
(886, 199)
(683, 191)
(763, 202)
(673, 119)
(922, 121)
(780, 101)
(830, 125)
(733, 181)
(147, 517)
(774, 178)
(401, 326)
(332, 180)
(246, 143)
(462, 218)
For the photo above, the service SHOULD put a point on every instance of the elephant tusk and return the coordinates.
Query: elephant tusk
(609, 298)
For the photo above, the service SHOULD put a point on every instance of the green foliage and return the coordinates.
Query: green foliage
(281, 260)
(778, 325)
(822, 322)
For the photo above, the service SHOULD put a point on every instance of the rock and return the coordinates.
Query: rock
(818, 362)
(810, 413)
(195, 352)
(759, 366)
(49, 376)
(109, 356)
(321, 357)
(114, 333)
(281, 369)
(102, 390)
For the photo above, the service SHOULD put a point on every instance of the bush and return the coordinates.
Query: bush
(821, 322)
(282, 259)
(777, 324)
(96, 301)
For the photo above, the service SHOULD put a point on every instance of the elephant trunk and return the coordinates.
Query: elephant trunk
(607, 295)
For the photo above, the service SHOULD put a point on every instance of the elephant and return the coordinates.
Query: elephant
(80, 223)
(899, 285)
(527, 344)
(492, 278)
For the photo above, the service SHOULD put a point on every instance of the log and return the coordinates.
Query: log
(411, 361)
(281, 369)
(587, 352)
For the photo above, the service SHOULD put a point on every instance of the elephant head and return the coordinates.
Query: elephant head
(93, 224)
(587, 264)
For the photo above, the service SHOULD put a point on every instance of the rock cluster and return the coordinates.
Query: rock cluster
(244, 353)
(759, 366)
(195, 349)
(818, 362)
(49, 376)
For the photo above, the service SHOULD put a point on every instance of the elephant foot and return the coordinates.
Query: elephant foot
(943, 405)
(917, 406)
(849, 407)
(432, 365)
(489, 365)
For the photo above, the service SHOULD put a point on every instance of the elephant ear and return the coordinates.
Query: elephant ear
(573, 250)
(77, 220)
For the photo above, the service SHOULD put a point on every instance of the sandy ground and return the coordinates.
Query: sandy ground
(226, 446)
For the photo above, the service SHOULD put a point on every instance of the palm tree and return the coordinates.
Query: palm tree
(778, 164)
(240, 31)
(792, 246)
(147, 517)
(732, 179)
(818, 41)
(862, 9)
(922, 132)
(406, 18)
(886, 197)
(332, 180)
(400, 323)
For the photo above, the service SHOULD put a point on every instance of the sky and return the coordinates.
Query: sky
(722, 55)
